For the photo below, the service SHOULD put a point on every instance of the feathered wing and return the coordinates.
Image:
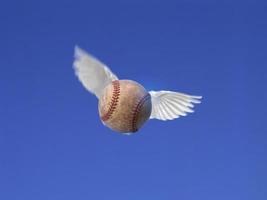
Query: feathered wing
(168, 105)
(93, 74)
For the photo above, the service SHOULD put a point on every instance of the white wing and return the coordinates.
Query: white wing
(93, 74)
(167, 105)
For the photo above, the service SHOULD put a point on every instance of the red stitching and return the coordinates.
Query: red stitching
(136, 111)
(114, 100)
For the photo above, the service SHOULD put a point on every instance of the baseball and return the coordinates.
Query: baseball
(124, 106)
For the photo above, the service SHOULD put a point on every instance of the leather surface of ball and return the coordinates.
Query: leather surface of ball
(124, 106)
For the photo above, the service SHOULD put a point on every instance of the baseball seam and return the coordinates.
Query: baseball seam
(136, 110)
(114, 100)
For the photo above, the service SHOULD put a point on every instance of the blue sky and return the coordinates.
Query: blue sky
(52, 143)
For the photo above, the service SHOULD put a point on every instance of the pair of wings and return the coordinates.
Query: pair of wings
(95, 76)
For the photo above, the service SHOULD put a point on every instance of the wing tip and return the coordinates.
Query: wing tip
(198, 97)
(195, 99)
(78, 51)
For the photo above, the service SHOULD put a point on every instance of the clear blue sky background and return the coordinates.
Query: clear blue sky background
(53, 145)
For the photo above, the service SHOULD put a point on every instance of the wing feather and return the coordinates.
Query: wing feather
(93, 74)
(176, 107)
(169, 110)
(181, 106)
(168, 105)
(163, 112)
